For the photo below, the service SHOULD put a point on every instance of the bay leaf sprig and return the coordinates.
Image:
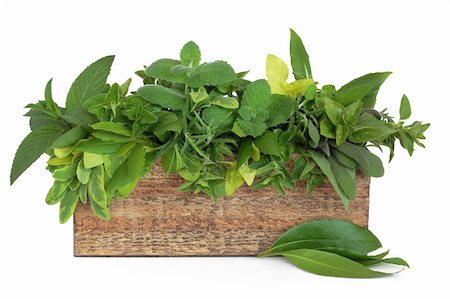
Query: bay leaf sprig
(333, 247)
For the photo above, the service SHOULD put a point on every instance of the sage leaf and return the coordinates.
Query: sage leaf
(83, 173)
(375, 168)
(66, 173)
(82, 192)
(353, 151)
(68, 205)
(32, 147)
(299, 58)
(90, 82)
(96, 186)
(329, 264)
(101, 211)
(345, 177)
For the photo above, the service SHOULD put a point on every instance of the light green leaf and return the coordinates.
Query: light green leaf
(66, 173)
(268, 143)
(97, 146)
(113, 127)
(112, 137)
(327, 128)
(190, 54)
(334, 111)
(136, 162)
(163, 96)
(82, 193)
(213, 73)
(200, 95)
(226, 102)
(83, 173)
(405, 108)
(299, 58)
(96, 186)
(32, 147)
(68, 205)
(257, 95)
(90, 82)
(247, 173)
(341, 134)
(101, 211)
(352, 95)
(161, 69)
(92, 160)
(277, 73)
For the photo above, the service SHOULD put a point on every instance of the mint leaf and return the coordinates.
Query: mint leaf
(299, 58)
(163, 96)
(161, 69)
(280, 109)
(90, 82)
(268, 144)
(190, 54)
(213, 73)
(32, 147)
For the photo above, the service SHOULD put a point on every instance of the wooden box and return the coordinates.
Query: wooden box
(157, 220)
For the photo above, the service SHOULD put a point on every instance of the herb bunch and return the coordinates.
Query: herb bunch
(212, 127)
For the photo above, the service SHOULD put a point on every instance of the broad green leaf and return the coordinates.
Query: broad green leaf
(299, 166)
(255, 153)
(341, 134)
(101, 211)
(352, 254)
(118, 180)
(200, 95)
(161, 69)
(57, 192)
(68, 205)
(83, 173)
(352, 113)
(92, 160)
(326, 233)
(375, 168)
(190, 54)
(405, 108)
(82, 193)
(113, 127)
(70, 137)
(226, 102)
(352, 95)
(334, 111)
(163, 96)
(97, 146)
(325, 166)
(343, 159)
(218, 118)
(136, 162)
(353, 151)
(65, 173)
(244, 152)
(167, 122)
(32, 147)
(327, 128)
(280, 109)
(80, 117)
(257, 95)
(345, 177)
(90, 82)
(213, 73)
(299, 87)
(393, 261)
(313, 133)
(373, 80)
(329, 264)
(96, 186)
(112, 137)
(366, 134)
(233, 180)
(63, 152)
(268, 143)
(299, 58)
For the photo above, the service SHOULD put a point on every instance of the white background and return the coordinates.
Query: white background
(409, 205)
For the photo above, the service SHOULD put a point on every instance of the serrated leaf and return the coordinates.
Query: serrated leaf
(32, 147)
(299, 58)
(161, 69)
(405, 108)
(79, 116)
(163, 96)
(167, 122)
(190, 54)
(213, 73)
(218, 118)
(90, 82)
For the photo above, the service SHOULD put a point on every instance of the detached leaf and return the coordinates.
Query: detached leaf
(32, 147)
(90, 82)
(405, 108)
(299, 58)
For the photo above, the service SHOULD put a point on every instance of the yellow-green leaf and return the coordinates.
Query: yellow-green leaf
(277, 73)
(92, 160)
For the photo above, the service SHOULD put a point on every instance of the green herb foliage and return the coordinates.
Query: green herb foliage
(211, 126)
(332, 248)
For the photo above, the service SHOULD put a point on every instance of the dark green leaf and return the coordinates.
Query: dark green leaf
(90, 82)
(353, 151)
(280, 109)
(70, 137)
(375, 168)
(32, 147)
(313, 134)
(345, 177)
(299, 58)
(79, 116)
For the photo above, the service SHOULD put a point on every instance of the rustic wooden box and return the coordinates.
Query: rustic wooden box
(156, 220)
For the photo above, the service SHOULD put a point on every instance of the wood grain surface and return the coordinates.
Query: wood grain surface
(156, 220)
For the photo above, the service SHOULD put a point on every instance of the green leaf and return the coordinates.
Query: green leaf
(214, 73)
(82, 192)
(343, 159)
(200, 95)
(218, 118)
(101, 211)
(257, 95)
(90, 82)
(65, 173)
(247, 173)
(329, 264)
(163, 96)
(366, 134)
(325, 166)
(341, 134)
(97, 146)
(167, 122)
(161, 69)
(92, 160)
(313, 134)
(352, 95)
(68, 205)
(244, 152)
(96, 187)
(83, 173)
(373, 80)
(113, 127)
(79, 116)
(327, 128)
(112, 137)
(190, 54)
(135, 163)
(299, 58)
(405, 108)
(375, 168)
(280, 109)
(226, 102)
(334, 111)
(32, 147)
(353, 151)
(345, 177)
(70, 137)
(268, 143)
(352, 113)
(326, 233)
